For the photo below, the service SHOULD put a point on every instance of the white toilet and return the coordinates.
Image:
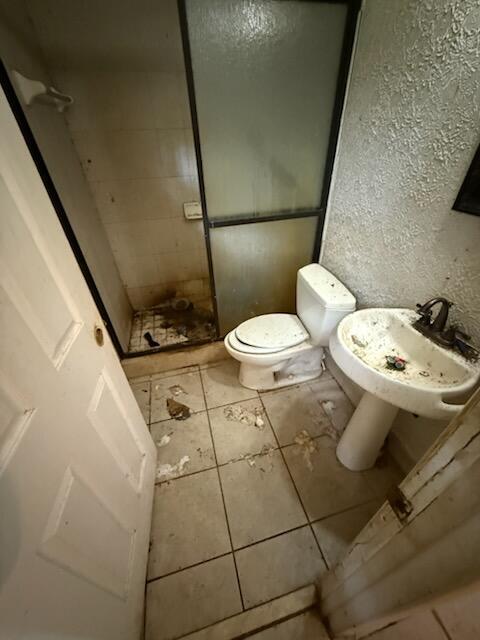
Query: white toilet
(280, 349)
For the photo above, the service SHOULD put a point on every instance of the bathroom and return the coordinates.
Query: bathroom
(210, 163)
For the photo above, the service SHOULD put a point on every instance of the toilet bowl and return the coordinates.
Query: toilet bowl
(281, 349)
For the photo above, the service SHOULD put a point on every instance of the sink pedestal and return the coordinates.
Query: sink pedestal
(365, 434)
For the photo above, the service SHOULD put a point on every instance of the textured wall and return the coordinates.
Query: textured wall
(411, 126)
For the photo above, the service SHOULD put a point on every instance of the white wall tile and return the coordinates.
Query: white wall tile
(131, 128)
(110, 155)
(168, 267)
(176, 152)
(170, 100)
(144, 199)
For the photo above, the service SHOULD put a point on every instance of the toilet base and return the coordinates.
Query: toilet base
(301, 368)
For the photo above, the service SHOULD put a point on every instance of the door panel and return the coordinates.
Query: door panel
(105, 409)
(109, 542)
(76, 458)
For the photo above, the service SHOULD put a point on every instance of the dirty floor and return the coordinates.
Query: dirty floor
(168, 325)
(250, 501)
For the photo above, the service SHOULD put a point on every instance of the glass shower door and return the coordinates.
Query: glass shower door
(264, 84)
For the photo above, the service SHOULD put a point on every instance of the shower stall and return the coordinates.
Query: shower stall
(187, 147)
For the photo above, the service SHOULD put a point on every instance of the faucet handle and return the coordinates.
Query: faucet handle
(425, 313)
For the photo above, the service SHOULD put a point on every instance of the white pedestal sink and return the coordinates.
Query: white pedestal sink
(431, 384)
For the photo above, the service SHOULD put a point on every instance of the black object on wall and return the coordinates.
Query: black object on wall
(468, 199)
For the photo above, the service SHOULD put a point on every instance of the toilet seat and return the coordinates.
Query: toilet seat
(238, 345)
(270, 333)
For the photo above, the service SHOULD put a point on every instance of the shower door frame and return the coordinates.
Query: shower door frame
(346, 58)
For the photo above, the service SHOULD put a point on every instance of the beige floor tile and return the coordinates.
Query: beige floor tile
(235, 439)
(333, 401)
(176, 439)
(306, 626)
(293, 410)
(220, 381)
(383, 476)
(216, 362)
(261, 500)
(460, 614)
(277, 566)
(327, 487)
(141, 391)
(174, 372)
(250, 620)
(422, 626)
(185, 388)
(334, 534)
(191, 599)
(188, 523)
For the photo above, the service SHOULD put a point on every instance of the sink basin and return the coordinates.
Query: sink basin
(433, 384)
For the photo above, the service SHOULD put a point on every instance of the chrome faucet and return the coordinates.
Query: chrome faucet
(452, 337)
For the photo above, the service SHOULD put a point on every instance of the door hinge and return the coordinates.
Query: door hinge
(401, 506)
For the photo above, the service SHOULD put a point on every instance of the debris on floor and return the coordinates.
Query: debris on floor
(168, 471)
(267, 450)
(265, 456)
(177, 410)
(249, 457)
(307, 445)
(181, 304)
(164, 440)
(329, 407)
(395, 362)
(176, 390)
(173, 321)
(151, 342)
(238, 413)
(253, 458)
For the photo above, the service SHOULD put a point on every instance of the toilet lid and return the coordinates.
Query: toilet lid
(272, 331)
(247, 348)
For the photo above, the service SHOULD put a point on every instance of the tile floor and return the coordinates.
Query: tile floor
(168, 327)
(245, 510)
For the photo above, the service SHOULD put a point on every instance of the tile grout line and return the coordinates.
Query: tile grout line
(188, 567)
(224, 555)
(441, 624)
(295, 487)
(223, 497)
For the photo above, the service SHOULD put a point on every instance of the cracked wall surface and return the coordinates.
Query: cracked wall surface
(410, 129)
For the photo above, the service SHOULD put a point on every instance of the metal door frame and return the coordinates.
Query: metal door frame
(320, 212)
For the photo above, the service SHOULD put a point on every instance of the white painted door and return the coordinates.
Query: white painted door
(76, 459)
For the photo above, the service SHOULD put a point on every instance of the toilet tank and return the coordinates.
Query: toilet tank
(322, 301)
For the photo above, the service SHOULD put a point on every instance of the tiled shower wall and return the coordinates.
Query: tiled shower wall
(131, 127)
